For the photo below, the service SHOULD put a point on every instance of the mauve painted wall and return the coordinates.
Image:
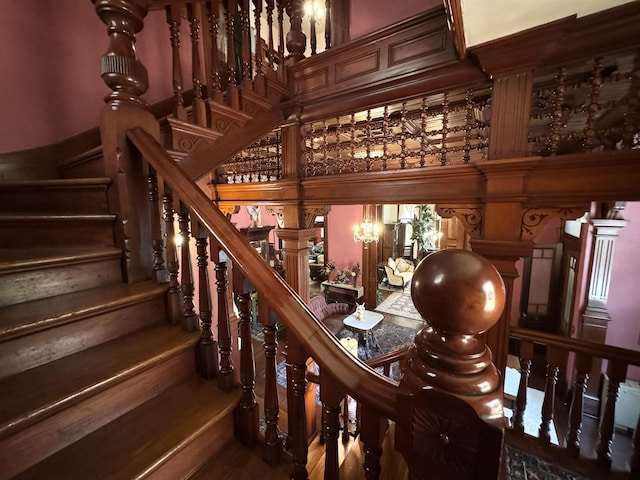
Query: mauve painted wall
(51, 69)
(370, 15)
(624, 292)
(242, 219)
(342, 249)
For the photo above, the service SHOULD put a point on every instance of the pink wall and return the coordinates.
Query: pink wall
(624, 302)
(370, 15)
(242, 219)
(61, 94)
(342, 249)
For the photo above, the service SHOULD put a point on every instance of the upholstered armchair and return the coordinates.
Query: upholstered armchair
(399, 272)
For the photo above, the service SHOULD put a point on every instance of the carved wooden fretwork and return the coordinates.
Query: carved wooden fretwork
(228, 210)
(471, 217)
(310, 215)
(186, 136)
(278, 212)
(534, 219)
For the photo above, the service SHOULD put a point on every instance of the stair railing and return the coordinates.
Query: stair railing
(574, 359)
(448, 356)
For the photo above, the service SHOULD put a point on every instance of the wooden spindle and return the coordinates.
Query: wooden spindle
(281, 5)
(312, 27)
(617, 372)
(173, 19)
(296, 389)
(583, 367)
(526, 354)
(173, 299)
(198, 106)
(159, 271)
(386, 136)
(246, 415)
(296, 39)
(445, 129)
(372, 432)
(257, 11)
(330, 397)
(548, 403)
(270, 7)
(469, 124)
(245, 43)
(403, 136)
(424, 139)
(558, 110)
(232, 9)
(593, 107)
(327, 24)
(216, 66)
(189, 317)
(225, 373)
(207, 348)
(273, 442)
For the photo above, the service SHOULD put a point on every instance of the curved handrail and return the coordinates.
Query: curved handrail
(578, 346)
(363, 384)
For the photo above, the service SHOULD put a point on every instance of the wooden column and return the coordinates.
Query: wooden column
(127, 78)
(370, 254)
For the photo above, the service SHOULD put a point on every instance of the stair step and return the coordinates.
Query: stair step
(34, 273)
(164, 438)
(37, 419)
(55, 196)
(29, 230)
(34, 333)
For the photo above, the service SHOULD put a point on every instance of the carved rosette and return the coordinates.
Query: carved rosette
(470, 216)
(534, 219)
(120, 68)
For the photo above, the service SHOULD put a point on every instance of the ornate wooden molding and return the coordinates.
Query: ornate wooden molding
(534, 219)
(228, 209)
(186, 136)
(224, 117)
(310, 214)
(471, 216)
(278, 212)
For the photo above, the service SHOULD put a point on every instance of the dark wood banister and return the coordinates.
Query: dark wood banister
(362, 383)
(578, 346)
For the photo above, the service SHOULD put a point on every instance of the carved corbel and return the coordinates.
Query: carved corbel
(471, 217)
(534, 219)
(278, 212)
(310, 214)
(228, 210)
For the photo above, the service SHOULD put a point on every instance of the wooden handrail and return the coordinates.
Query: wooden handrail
(362, 383)
(578, 346)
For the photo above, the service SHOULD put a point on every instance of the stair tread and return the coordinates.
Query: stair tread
(29, 317)
(237, 462)
(12, 259)
(142, 438)
(46, 388)
(57, 182)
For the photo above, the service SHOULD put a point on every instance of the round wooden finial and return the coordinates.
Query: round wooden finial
(458, 292)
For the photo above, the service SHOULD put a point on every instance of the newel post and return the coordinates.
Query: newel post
(460, 294)
(126, 76)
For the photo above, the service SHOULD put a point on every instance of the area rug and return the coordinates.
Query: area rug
(399, 304)
(522, 466)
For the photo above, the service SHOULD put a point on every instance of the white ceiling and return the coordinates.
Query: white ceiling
(486, 20)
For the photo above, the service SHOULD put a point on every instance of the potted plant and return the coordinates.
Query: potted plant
(423, 227)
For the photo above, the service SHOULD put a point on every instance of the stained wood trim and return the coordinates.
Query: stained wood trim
(456, 23)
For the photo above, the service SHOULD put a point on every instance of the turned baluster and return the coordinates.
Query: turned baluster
(330, 397)
(327, 24)
(232, 10)
(207, 348)
(215, 73)
(189, 316)
(445, 129)
(257, 12)
(296, 39)
(526, 354)
(310, 10)
(246, 415)
(270, 7)
(296, 412)
(273, 442)
(245, 42)
(173, 19)
(225, 372)
(198, 107)
(173, 300)
(583, 367)
(593, 107)
(156, 232)
(617, 373)
(372, 432)
(558, 110)
(403, 136)
(548, 403)
(281, 5)
(424, 139)
(469, 123)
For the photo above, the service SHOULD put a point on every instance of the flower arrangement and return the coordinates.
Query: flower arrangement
(329, 267)
(348, 274)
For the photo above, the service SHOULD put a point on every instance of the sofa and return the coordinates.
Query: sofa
(331, 314)
(399, 272)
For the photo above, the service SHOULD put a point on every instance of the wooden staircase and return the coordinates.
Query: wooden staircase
(94, 383)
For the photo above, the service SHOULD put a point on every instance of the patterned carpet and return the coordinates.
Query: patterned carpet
(399, 304)
(522, 466)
